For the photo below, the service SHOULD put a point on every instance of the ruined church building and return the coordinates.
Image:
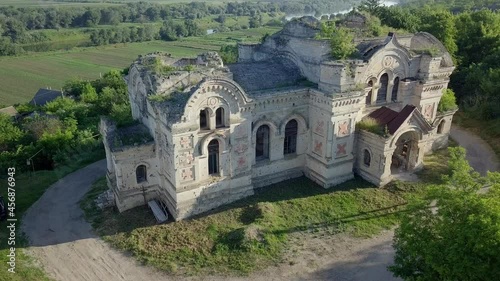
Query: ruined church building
(209, 134)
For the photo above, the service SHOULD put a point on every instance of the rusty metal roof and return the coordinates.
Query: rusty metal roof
(393, 120)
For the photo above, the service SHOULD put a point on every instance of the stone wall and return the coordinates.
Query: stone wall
(326, 110)
(296, 43)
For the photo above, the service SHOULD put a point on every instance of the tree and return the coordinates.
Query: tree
(7, 48)
(441, 24)
(479, 35)
(40, 125)
(89, 95)
(167, 31)
(371, 6)
(153, 13)
(341, 40)
(121, 114)
(399, 17)
(255, 21)
(9, 133)
(448, 101)
(62, 107)
(192, 28)
(74, 87)
(229, 53)
(220, 19)
(458, 239)
(91, 18)
(181, 30)
(14, 29)
(110, 16)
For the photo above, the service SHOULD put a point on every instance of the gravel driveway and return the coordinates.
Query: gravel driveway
(64, 243)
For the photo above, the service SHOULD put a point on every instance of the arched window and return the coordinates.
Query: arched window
(369, 96)
(204, 119)
(440, 127)
(367, 158)
(395, 88)
(382, 91)
(219, 117)
(141, 174)
(290, 145)
(262, 143)
(213, 157)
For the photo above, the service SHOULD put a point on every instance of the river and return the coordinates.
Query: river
(291, 16)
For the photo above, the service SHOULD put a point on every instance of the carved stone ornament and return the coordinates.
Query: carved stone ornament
(388, 61)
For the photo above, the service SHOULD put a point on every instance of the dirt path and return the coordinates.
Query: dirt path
(480, 155)
(64, 243)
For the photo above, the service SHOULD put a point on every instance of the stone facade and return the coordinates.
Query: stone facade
(209, 134)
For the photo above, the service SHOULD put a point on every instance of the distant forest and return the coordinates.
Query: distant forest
(16, 22)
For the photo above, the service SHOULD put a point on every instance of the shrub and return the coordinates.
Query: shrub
(121, 114)
(448, 101)
(341, 40)
(229, 53)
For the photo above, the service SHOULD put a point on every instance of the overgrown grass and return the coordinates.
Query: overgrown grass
(252, 233)
(371, 125)
(249, 234)
(29, 188)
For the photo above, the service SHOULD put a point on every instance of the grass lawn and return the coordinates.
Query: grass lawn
(28, 189)
(22, 76)
(252, 233)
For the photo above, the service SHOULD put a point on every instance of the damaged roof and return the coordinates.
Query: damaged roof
(390, 118)
(262, 75)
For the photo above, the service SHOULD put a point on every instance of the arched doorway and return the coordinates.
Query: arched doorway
(405, 155)
(440, 127)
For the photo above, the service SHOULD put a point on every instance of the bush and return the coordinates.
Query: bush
(341, 40)
(274, 22)
(448, 101)
(371, 125)
(229, 53)
(121, 114)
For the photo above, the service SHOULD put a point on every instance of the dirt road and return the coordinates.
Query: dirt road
(64, 243)
(480, 155)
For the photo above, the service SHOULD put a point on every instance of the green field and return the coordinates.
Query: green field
(21, 77)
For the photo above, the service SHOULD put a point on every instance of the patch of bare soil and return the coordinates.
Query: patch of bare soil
(337, 257)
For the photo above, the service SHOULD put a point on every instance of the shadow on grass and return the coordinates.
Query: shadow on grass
(297, 188)
(360, 216)
(142, 216)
